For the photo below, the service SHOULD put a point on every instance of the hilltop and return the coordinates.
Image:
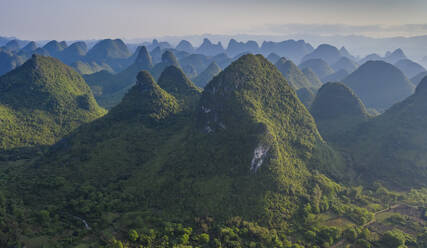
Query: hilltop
(379, 84)
(336, 110)
(294, 75)
(318, 66)
(41, 102)
(110, 88)
(328, 53)
(207, 75)
(345, 63)
(242, 160)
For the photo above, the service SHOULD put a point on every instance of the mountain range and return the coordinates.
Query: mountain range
(252, 154)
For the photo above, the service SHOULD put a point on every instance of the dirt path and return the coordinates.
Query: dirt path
(342, 241)
(379, 212)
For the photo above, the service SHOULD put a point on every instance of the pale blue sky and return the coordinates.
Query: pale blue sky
(91, 19)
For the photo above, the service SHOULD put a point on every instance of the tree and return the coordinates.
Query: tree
(393, 239)
(350, 234)
(184, 239)
(422, 239)
(44, 217)
(116, 244)
(133, 235)
(361, 243)
(204, 238)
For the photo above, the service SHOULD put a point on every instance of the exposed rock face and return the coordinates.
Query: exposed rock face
(260, 153)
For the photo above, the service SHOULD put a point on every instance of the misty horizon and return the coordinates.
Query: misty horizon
(132, 19)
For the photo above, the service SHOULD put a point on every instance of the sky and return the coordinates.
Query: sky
(132, 19)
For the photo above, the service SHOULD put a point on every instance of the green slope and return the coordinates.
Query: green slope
(311, 76)
(238, 154)
(110, 88)
(318, 66)
(174, 81)
(294, 75)
(247, 166)
(337, 110)
(41, 102)
(207, 75)
(392, 147)
(306, 96)
(168, 59)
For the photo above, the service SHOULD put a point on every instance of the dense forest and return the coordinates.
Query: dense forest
(148, 145)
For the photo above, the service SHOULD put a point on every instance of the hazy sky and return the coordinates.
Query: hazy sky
(90, 19)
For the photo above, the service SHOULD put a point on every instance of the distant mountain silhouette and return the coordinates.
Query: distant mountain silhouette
(12, 46)
(54, 48)
(235, 47)
(294, 75)
(210, 49)
(185, 46)
(311, 76)
(222, 60)
(73, 53)
(273, 58)
(41, 51)
(168, 59)
(206, 76)
(109, 49)
(110, 88)
(395, 56)
(346, 64)
(337, 76)
(156, 55)
(370, 57)
(291, 49)
(379, 84)
(155, 43)
(345, 53)
(417, 79)
(198, 61)
(113, 52)
(318, 66)
(29, 48)
(9, 61)
(327, 53)
(409, 67)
